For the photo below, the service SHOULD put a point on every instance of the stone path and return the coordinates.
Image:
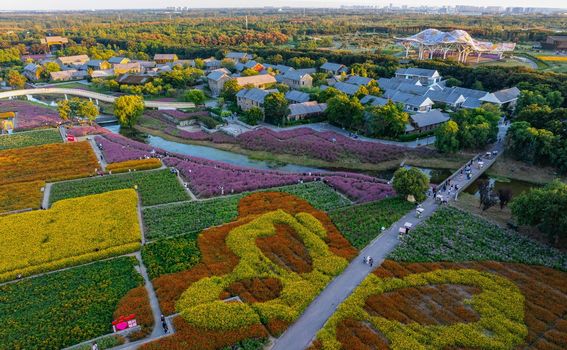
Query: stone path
(154, 303)
(98, 153)
(303, 331)
(46, 194)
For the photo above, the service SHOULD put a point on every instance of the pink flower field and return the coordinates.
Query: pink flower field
(207, 178)
(29, 116)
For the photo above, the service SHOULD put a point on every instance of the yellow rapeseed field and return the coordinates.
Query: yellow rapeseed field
(73, 231)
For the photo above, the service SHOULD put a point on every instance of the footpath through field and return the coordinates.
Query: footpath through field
(303, 331)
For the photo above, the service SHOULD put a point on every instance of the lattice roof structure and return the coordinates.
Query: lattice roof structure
(433, 40)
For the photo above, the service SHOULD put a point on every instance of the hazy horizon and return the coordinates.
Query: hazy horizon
(10, 5)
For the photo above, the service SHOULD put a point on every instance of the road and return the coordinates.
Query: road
(303, 331)
(90, 94)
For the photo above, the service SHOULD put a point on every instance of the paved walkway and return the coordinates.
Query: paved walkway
(302, 332)
(98, 153)
(154, 303)
(90, 94)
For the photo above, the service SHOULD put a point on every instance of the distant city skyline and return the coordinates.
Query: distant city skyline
(147, 4)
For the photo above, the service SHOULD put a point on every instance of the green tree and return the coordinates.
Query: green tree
(64, 109)
(48, 68)
(453, 82)
(249, 72)
(446, 137)
(276, 108)
(230, 89)
(545, 208)
(535, 114)
(253, 116)
(411, 181)
(87, 109)
(199, 63)
(228, 64)
(128, 109)
(15, 79)
(348, 113)
(196, 96)
(388, 120)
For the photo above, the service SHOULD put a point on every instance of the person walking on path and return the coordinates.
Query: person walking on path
(94, 346)
(164, 325)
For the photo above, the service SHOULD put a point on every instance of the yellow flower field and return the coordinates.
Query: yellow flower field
(71, 232)
(553, 58)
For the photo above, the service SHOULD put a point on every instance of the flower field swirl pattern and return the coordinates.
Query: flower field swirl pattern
(71, 232)
(246, 259)
(500, 306)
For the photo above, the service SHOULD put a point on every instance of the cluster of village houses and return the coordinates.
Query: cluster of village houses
(416, 89)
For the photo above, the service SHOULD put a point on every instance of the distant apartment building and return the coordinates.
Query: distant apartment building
(258, 81)
(162, 58)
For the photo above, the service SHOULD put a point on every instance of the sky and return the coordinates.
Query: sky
(137, 4)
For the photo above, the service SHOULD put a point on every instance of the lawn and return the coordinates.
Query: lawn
(360, 224)
(154, 187)
(30, 138)
(453, 235)
(276, 257)
(72, 232)
(64, 308)
(192, 217)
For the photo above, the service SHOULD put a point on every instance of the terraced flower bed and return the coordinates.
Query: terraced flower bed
(361, 223)
(61, 309)
(192, 217)
(30, 138)
(276, 257)
(72, 232)
(154, 187)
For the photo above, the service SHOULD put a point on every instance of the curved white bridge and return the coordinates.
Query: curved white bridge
(90, 94)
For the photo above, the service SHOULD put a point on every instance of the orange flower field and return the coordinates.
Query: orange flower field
(21, 195)
(289, 249)
(52, 162)
(543, 308)
(137, 164)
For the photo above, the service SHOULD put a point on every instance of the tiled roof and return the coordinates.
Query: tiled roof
(420, 72)
(297, 96)
(432, 117)
(335, 67)
(358, 80)
(311, 107)
(348, 89)
(217, 75)
(256, 79)
(255, 94)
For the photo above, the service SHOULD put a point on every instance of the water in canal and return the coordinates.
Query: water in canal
(225, 156)
(516, 186)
